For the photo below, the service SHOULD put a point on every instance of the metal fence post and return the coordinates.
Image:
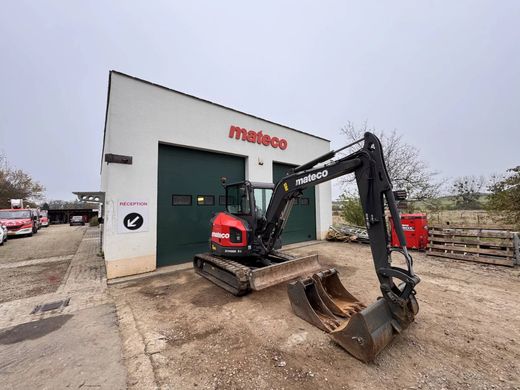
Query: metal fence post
(516, 241)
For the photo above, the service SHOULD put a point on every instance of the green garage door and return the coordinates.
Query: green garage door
(301, 225)
(189, 192)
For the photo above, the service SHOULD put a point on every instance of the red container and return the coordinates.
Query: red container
(415, 228)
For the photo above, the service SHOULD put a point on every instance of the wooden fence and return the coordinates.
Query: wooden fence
(491, 245)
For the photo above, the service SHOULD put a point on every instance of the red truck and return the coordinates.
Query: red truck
(19, 221)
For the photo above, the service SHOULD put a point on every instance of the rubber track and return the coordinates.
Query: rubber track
(238, 271)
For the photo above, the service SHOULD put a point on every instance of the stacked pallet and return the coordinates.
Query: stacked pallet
(491, 245)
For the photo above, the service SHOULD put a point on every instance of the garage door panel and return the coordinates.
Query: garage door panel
(183, 230)
(301, 225)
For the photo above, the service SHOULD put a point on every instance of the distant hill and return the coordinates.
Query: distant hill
(446, 202)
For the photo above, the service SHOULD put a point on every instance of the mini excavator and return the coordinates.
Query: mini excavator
(245, 240)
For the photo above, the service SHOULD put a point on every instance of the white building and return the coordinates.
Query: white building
(158, 205)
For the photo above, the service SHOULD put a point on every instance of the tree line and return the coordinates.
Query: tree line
(499, 194)
(17, 184)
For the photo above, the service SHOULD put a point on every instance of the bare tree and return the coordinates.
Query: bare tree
(16, 184)
(405, 167)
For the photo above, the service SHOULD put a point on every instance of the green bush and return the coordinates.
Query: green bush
(351, 210)
(94, 221)
(505, 196)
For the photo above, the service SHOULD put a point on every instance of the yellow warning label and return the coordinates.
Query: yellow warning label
(286, 186)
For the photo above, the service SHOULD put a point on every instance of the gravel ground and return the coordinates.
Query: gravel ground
(55, 240)
(31, 266)
(28, 281)
(180, 331)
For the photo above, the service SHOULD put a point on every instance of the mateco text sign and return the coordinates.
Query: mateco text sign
(132, 216)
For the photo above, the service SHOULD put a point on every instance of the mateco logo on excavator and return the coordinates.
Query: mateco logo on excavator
(219, 235)
(312, 177)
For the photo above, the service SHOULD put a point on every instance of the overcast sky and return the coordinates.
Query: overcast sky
(445, 74)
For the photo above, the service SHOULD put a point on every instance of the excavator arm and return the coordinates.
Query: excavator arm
(366, 332)
(374, 189)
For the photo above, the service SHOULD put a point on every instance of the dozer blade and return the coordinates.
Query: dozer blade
(335, 295)
(307, 304)
(261, 278)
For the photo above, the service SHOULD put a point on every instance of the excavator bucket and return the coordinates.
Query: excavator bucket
(335, 295)
(307, 304)
(369, 331)
(362, 331)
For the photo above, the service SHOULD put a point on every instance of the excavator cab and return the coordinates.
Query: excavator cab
(249, 201)
(234, 231)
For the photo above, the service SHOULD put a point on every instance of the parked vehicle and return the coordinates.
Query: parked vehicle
(77, 220)
(16, 203)
(38, 223)
(19, 221)
(44, 218)
(3, 234)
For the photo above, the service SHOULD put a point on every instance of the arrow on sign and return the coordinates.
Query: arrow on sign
(132, 223)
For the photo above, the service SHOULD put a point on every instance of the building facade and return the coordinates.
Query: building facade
(164, 154)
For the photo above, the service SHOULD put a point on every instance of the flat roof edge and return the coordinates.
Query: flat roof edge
(213, 103)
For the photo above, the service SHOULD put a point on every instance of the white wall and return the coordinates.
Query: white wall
(140, 115)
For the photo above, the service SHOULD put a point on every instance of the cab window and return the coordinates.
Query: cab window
(237, 200)
(262, 199)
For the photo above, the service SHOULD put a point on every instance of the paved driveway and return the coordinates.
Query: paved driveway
(73, 345)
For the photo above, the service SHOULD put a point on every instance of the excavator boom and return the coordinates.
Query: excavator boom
(321, 300)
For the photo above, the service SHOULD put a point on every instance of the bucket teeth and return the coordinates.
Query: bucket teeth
(335, 296)
(323, 301)
(307, 304)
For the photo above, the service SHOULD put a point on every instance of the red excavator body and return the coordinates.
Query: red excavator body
(229, 235)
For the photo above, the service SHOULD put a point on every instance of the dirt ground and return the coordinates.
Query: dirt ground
(181, 331)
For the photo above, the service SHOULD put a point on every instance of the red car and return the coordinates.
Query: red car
(19, 221)
(44, 218)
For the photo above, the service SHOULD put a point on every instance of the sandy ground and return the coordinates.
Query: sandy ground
(180, 331)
